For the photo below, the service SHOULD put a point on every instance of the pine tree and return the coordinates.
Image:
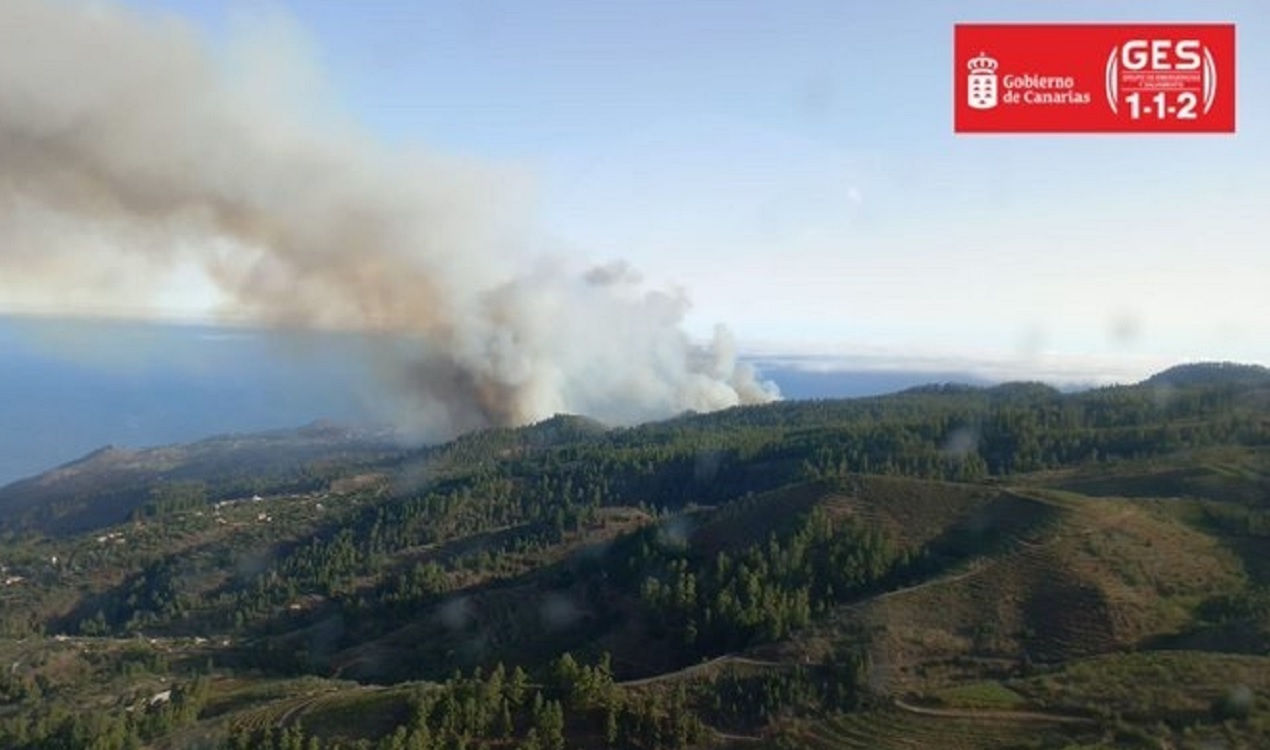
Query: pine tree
(507, 726)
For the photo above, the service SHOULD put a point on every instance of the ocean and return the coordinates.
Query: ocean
(68, 387)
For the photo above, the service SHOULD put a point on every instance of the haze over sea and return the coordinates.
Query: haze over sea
(68, 387)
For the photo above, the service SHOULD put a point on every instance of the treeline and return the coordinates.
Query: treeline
(573, 703)
(52, 724)
(742, 701)
(760, 593)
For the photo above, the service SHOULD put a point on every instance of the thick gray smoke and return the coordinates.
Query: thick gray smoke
(130, 152)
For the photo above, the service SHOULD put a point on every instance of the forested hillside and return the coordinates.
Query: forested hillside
(993, 567)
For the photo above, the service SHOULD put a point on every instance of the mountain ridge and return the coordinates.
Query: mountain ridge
(294, 451)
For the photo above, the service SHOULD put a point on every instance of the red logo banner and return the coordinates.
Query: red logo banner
(1094, 78)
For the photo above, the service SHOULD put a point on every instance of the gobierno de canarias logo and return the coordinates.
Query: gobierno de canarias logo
(983, 86)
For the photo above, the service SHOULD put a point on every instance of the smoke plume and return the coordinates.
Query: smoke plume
(130, 151)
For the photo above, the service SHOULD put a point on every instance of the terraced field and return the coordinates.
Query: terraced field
(896, 729)
(1171, 683)
(353, 714)
(275, 714)
(264, 705)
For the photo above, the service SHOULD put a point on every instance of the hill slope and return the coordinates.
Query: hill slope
(106, 486)
(972, 567)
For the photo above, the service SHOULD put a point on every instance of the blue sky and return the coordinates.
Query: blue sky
(793, 166)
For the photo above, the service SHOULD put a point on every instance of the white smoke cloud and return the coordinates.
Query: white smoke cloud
(129, 152)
